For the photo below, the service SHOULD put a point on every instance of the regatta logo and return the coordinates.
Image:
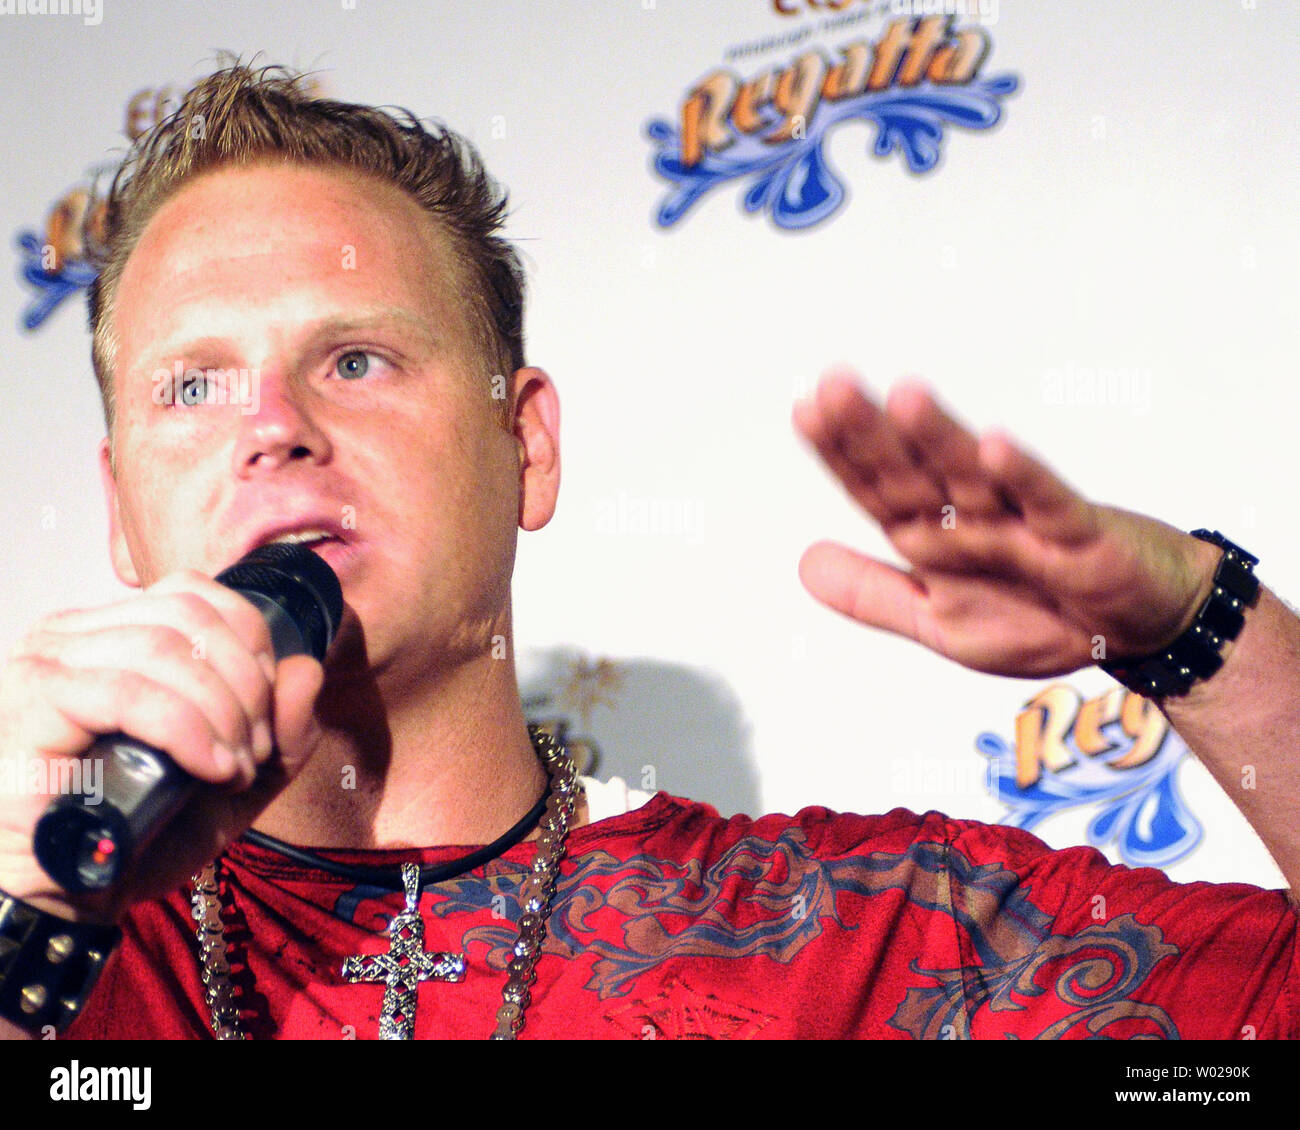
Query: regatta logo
(56, 266)
(986, 11)
(1115, 753)
(770, 129)
(56, 263)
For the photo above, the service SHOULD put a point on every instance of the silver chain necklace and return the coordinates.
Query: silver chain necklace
(407, 963)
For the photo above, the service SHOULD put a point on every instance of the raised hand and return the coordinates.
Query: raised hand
(1011, 571)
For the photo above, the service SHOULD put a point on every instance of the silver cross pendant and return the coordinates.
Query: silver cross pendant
(404, 966)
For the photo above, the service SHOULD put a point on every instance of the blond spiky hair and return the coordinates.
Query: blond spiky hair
(240, 116)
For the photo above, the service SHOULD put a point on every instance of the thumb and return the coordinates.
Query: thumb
(863, 588)
(216, 816)
(298, 681)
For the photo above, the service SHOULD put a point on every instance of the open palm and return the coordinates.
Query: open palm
(1011, 571)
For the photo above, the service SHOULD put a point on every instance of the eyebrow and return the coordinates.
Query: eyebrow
(344, 325)
(378, 318)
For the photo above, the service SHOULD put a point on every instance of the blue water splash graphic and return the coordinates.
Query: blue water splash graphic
(1142, 810)
(793, 181)
(51, 287)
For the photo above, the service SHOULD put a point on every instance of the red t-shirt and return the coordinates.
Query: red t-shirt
(672, 922)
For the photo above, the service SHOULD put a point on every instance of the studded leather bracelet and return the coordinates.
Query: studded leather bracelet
(48, 964)
(1198, 652)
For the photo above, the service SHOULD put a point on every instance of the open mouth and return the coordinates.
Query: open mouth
(326, 539)
(309, 538)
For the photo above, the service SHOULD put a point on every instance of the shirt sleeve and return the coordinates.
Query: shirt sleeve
(1063, 943)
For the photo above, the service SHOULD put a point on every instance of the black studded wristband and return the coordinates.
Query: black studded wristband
(48, 964)
(1197, 653)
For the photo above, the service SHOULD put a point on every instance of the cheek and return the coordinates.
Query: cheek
(473, 495)
(470, 456)
(495, 463)
(161, 507)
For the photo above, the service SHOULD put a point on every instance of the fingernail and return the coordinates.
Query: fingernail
(224, 758)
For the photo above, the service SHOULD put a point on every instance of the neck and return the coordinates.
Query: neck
(447, 762)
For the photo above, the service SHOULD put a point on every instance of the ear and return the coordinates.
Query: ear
(123, 566)
(537, 434)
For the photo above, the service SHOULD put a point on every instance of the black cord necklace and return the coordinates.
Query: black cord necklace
(537, 892)
(390, 878)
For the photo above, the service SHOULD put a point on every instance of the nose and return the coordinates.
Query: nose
(277, 427)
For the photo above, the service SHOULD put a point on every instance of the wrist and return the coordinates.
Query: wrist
(48, 964)
(1202, 564)
(1214, 618)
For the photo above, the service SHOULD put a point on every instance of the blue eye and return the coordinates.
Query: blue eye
(197, 388)
(353, 365)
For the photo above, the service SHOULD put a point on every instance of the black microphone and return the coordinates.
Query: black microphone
(84, 845)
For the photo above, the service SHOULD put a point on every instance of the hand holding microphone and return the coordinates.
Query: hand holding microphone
(193, 714)
(84, 842)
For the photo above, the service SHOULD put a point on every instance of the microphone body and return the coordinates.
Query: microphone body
(87, 846)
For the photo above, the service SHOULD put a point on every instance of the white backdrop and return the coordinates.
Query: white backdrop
(1134, 211)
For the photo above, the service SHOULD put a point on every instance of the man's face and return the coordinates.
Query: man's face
(367, 412)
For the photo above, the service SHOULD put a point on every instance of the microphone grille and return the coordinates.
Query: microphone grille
(300, 582)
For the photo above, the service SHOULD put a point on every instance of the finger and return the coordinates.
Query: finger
(76, 705)
(215, 817)
(860, 485)
(164, 656)
(222, 816)
(212, 820)
(244, 618)
(869, 439)
(211, 637)
(960, 545)
(297, 732)
(1051, 509)
(240, 614)
(298, 735)
(868, 590)
(950, 450)
(843, 421)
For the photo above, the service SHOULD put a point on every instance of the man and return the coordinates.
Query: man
(351, 262)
